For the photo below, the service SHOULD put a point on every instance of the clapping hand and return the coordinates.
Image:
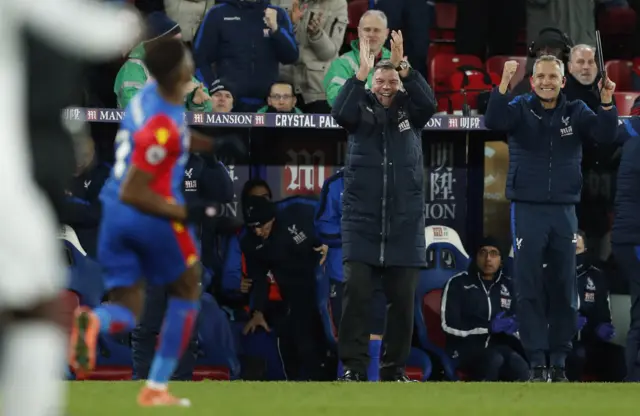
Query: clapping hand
(397, 48)
(366, 60)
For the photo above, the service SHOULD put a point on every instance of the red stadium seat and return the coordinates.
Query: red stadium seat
(620, 72)
(414, 373)
(624, 102)
(446, 16)
(444, 65)
(210, 373)
(496, 64)
(431, 311)
(439, 48)
(112, 373)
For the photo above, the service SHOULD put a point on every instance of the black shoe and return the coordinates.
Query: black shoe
(557, 375)
(397, 377)
(539, 375)
(350, 375)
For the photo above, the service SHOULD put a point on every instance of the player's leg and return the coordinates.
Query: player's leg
(562, 289)
(172, 253)
(529, 224)
(122, 279)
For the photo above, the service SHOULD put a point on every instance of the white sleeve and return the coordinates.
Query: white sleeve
(83, 27)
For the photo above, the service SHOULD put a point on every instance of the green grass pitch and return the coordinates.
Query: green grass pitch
(366, 399)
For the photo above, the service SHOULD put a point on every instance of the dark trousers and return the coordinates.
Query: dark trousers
(144, 338)
(547, 307)
(494, 363)
(378, 305)
(300, 340)
(628, 259)
(603, 360)
(399, 285)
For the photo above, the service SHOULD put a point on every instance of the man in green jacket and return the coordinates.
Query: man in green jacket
(281, 99)
(134, 75)
(373, 27)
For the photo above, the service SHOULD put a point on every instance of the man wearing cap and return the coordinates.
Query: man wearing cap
(133, 75)
(284, 242)
(221, 96)
(479, 319)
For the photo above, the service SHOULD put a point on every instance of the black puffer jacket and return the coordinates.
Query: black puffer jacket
(383, 200)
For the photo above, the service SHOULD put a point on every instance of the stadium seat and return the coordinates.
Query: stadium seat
(445, 257)
(444, 65)
(471, 82)
(436, 48)
(419, 366)
(495, 64)
(446, 17)
(620, 72)
(624, 101)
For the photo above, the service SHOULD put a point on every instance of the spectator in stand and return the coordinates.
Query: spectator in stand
(83, 209)
(221, 97)
(188, 14)
(550, 41)
(487, 27)
(372, 27)
(281, 99)
(245, 40)
(134, 74)
(576, 18)
(413, 18)
(593, 353)
(479, 319)
(319, 28)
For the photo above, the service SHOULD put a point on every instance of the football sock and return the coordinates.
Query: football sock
(33, 369)
(114, 318)
(174, 338)
(373, 371)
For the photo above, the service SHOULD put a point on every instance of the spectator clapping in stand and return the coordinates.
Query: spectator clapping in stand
(245, 40)
(319, 28)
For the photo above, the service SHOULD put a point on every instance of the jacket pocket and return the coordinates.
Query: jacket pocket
(314, 76)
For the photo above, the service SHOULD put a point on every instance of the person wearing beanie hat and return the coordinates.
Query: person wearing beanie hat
(284, 242)
(479, 320)
(221, 96)
(134, 74)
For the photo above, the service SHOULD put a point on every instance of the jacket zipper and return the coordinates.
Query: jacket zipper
(488, 293)
(384, 196)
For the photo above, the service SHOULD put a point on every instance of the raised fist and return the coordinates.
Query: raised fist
(510, 68)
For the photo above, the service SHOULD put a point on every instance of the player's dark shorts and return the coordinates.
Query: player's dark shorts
(378, 306)
(133, 245)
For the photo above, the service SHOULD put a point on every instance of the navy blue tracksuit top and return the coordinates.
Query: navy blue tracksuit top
(234, 38)
(545, 147)
(626, 225)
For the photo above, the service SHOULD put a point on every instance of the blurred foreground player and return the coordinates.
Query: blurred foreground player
(31, 32)
(144, 229)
